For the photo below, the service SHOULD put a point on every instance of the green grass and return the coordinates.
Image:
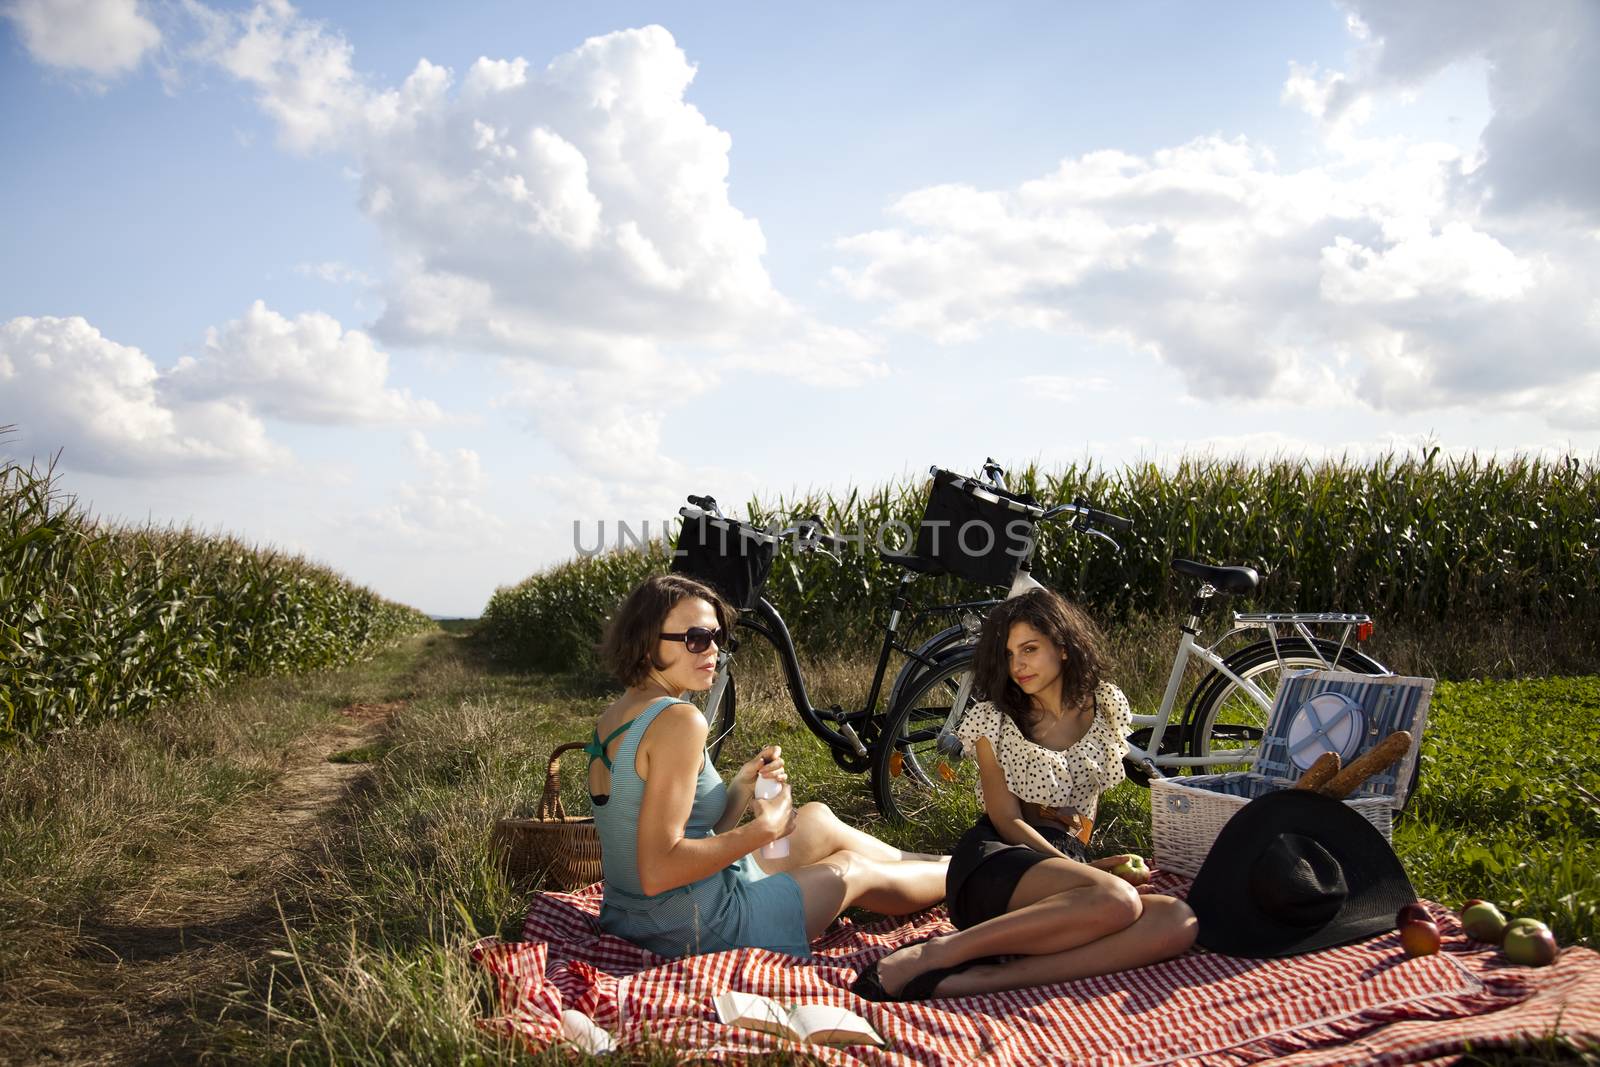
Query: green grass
(480, 754)
(369, 963)
(361, 753)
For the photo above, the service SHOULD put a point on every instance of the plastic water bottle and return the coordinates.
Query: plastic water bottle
(766, 789)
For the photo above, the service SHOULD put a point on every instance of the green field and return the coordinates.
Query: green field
(1469, 552)
(102, 621)
(245, 804)
(359, 957)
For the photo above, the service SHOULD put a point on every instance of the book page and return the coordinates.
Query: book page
(826, 1024)
(754, 1012)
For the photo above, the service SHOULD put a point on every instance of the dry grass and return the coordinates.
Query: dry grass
(132, 893)
(133, 844)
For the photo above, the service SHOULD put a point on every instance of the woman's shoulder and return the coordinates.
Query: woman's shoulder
(1113, 703)
(989, 715)
(672, 713)
(1109, 690)
(983, 719)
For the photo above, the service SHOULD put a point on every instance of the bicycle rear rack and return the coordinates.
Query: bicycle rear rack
(1300, 622)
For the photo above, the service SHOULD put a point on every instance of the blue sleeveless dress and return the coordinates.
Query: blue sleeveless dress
(739, 906)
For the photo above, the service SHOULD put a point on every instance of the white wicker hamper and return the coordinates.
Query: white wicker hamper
(1186, 814)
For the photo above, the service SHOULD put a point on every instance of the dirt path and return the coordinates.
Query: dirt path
(155, 958)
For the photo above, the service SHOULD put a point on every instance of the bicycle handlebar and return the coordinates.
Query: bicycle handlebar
(810, 533)
(821, 535)
(1087, 517)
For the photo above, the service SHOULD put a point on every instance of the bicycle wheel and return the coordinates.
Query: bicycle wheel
(720, 718)
(1222, 716)
(912, 779)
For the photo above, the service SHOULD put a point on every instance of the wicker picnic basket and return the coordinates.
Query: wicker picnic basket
(553, 849)
(1186, 814)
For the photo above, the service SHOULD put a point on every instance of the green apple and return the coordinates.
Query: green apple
(1483, 922)
(1530, 943)
(1132, 870)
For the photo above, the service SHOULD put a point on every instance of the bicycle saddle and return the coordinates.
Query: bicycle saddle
(911, 563)
(1233, 581)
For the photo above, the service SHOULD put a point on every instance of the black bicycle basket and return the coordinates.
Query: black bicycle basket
(976, 531)
(732, 557)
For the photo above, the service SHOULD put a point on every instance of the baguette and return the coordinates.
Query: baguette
(1373, 761)
(1318, 774)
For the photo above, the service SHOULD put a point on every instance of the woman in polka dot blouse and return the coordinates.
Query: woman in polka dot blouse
(1048, 742)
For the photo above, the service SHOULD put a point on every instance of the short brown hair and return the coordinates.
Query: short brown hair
(628, 648)
(1065, 624)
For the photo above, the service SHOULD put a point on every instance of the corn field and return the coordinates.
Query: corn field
(1415, 540)
(100, 622)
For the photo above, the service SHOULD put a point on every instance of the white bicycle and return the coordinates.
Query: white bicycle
(918, 761)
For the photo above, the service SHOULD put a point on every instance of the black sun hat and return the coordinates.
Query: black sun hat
(1293, 872)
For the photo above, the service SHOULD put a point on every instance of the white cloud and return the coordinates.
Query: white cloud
(1455, 260)
(101, 37)
(308, 369)
(608, 422)
(577, 215)
(114, 411)
(1542, 146)
(302, 74)
(1064, 389)
(1364, 277)
(1404, 274)
(69, 387)
(335, 273)
(574, 221)
(438, 508)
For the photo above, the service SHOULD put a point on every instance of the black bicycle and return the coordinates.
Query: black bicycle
(735, 557)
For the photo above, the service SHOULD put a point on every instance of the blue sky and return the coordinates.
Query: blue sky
(410, 289)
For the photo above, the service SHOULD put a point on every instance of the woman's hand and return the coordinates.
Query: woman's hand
(768, 763)
(775, 815)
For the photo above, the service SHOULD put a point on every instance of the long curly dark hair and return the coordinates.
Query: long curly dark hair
(1066, 625)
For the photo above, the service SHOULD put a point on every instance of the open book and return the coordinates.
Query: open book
(823, 1024)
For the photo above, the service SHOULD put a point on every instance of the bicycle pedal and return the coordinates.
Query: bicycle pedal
(851, 736)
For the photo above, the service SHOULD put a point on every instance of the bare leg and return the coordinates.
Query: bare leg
(893, 887)
(1165, 929)
(1058, 906)
(820, 833)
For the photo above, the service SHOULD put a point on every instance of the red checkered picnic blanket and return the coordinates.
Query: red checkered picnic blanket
(1365, 1002)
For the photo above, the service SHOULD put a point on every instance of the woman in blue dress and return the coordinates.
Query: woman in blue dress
(681, 871)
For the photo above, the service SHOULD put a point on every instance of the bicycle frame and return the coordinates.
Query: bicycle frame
(1189, 648)
(834, 725)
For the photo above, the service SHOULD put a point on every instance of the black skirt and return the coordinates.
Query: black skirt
(985, 869)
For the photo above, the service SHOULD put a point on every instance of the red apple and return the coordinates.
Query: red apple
(1413, 912)
(1419, 938)
(1483, 922)
(1530, 943)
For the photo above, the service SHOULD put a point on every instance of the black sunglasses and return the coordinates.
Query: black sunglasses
(698, 638)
